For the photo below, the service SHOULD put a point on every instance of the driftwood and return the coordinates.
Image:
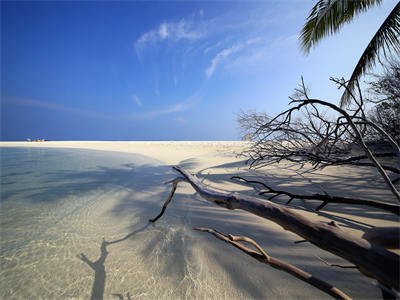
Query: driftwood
(393, 208)
(386, 237)
(263, 257)
(371, 260)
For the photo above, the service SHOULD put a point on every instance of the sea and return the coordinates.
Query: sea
(74, 224)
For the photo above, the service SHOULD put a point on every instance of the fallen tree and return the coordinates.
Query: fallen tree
(325, 198)
(371, 260)
(323, 139)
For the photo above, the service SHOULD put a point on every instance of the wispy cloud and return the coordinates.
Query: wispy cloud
(137, 100)
(223, 55)
(179, 107)
(285, 41)
(180, 120)
(58, 107)
(213, 46)
(173, 31)
(151, 114)
(263, 53)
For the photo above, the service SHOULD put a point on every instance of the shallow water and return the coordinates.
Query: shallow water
(74, 224)
(57, 204)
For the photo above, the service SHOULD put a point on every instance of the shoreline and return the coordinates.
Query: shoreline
(123, 196)
(169, 152)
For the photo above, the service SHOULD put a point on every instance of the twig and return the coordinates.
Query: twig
(335, 265)
(370, 259)
(393, 208)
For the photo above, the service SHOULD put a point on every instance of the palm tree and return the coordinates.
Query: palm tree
(328, 16)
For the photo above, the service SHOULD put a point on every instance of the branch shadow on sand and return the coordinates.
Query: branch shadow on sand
(99, 268)
(362, 182)
(146, 195)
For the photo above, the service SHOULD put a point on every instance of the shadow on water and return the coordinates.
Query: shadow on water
(121, 297)
(357, 183)
(66, 189)
(139, 179)
(99, 268)
(227, 220)
(99, 271)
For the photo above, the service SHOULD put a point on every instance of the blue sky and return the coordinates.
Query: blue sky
(161, 70)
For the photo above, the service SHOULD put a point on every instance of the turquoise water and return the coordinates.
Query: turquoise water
(57, 205)
(74, 225)
(41, 188)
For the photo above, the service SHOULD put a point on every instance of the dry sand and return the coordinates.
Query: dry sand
(195, 265)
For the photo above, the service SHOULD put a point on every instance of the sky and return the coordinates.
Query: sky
(165, 70)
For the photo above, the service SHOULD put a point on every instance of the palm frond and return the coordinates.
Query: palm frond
(386, 39)
(328, 16)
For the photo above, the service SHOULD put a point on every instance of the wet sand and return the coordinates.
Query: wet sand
(113, 193)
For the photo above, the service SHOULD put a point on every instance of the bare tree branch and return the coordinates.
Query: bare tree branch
(335, 265)
(393, 208)
(323, 141)
(359, 137)
(370, 259)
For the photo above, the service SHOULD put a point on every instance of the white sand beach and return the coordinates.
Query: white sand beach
(113, 198)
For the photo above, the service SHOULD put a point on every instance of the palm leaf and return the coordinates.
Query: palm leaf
(387, 38)
(328, 16)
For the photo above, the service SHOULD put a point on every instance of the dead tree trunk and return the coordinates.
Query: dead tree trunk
(371, 260)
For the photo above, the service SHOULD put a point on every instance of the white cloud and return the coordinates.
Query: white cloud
(285, 41)
(163, 31)
(58, 107)
(180, 120)
(179, 107)
(159, 112)
(224, 54)
(172, 31)
(137, 100)
(264, 52)
(215, 46)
